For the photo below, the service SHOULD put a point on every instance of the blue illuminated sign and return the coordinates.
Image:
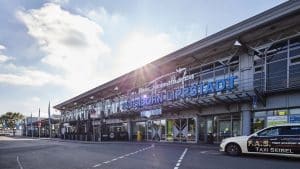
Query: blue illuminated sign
(200, 89)
(295, 118)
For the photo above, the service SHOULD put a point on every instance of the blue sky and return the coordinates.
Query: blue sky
(54, 50)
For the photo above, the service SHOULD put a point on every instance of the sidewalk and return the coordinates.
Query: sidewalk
(16, 138)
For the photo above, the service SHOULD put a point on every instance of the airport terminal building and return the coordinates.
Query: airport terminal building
(234, 82)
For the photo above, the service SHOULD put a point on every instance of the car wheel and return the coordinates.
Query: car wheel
(233, 149)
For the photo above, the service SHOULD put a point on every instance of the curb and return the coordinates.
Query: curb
(191, 145)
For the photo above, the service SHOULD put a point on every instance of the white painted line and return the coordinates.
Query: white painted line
(20, 165)
(97, 165)
(180, 159)
(120, 157)
(203, 152)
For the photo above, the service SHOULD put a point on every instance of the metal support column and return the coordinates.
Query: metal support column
(129, 130)
(197, 129)
(246, 116)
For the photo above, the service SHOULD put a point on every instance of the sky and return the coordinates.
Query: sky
(56, 49)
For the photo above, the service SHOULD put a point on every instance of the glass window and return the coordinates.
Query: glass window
(280, 112)
(277, 75)
(170, 123)
(207, 68)
(259, 61)
(295, 52)
(259, 114)
(191, 129)
(270, 113)
(294, 75)
(207, 76)
(295, 111)
(277, 56)
(258, 69)
(295, 60)
(290, 130)
(163, 129)
(278, 47)
(258, 123)
(234, 59)
(274, 131)
(295, 47)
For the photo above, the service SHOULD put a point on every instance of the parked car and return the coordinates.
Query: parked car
(281, 140)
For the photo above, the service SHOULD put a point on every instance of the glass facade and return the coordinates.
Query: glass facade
(139, 127)
(262, 119)
(156, 130)
(172, 130)
(217, 127)
(278, 66)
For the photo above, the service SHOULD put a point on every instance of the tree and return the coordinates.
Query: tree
(10, 119)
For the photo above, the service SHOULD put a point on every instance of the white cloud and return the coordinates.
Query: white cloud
(140, 48)
(36, 99)
(72, 44)
(2, 47)
(3, 58)
(28, 77)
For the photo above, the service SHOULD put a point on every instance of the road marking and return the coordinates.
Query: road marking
(114, 159)
(20, 165)
(123, 156)
(180, 159)
(97, 165)
(203, 152)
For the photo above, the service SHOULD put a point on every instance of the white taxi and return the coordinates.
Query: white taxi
(277, 140)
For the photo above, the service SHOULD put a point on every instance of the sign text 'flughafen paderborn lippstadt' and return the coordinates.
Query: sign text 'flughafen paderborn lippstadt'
(200, 89)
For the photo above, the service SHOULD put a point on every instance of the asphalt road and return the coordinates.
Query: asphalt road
(49, 154)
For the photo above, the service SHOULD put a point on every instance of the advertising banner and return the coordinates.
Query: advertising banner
(149, 113)
(280, 145)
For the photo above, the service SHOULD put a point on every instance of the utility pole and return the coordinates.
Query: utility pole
(49, 121)
(31, 126)
(39, 123)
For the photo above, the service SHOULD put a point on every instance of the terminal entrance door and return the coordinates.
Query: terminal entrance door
(181, 130)
(156, 130)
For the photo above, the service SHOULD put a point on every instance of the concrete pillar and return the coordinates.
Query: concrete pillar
(129, 129)
(197, 128)
(246, 116)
